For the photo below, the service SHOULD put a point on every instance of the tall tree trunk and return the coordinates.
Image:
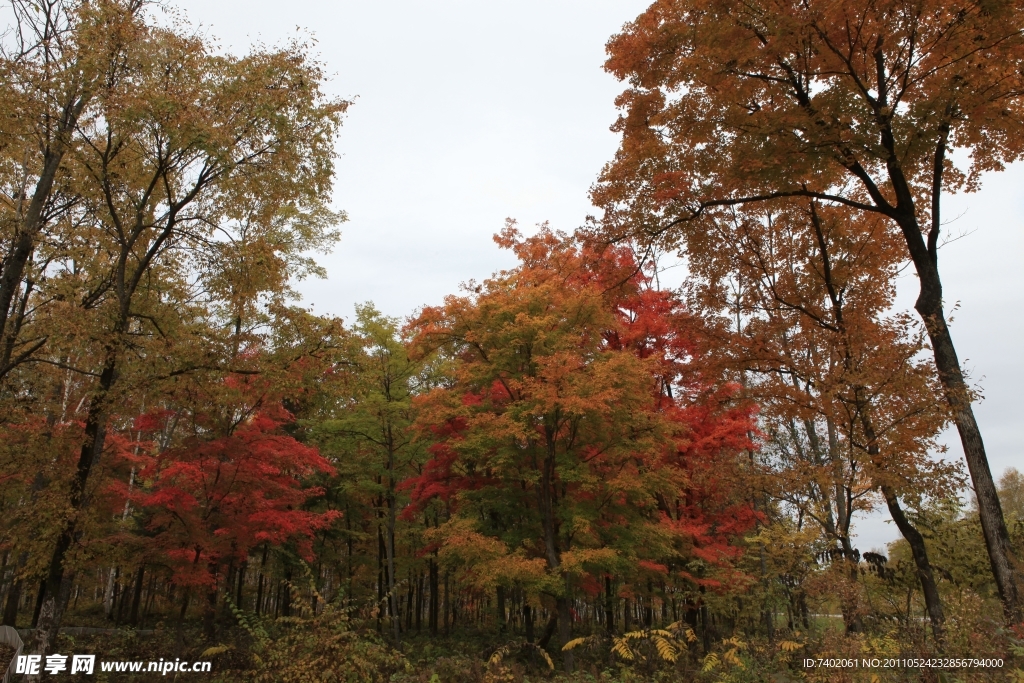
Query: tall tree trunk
(14, 593)
(609, 606)
(39, 605)
(210, 612)
(15, 261)
(434, 598)
(57, 582)
(133, 617)
(924, 568)
(381, 578)
(258, 607)
(565, 631)
(410, 596)
(390, 548)
(108, 592)
(549, 630)
(241, 583)
(501, 609)
(910, 533)
(286, 594)
(548, 502)
(447, 602)
(929, 306)
(11, 606)
(990, 512)
(419, 602)
(184, 607)
(150, 591)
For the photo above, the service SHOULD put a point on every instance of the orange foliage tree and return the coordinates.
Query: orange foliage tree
(853, 104)
(802, 292)
(580, 432)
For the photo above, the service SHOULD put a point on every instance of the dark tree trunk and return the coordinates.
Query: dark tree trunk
(410, 596)
(609, 605)
(259, 583)
(501, 609)
(434, 598)
(929, 307)
(707, 632)
(990, 512)
(150, 592)
(549, 630)
(924, 568)
(419, 602)
(133, 617)
(210, 614)
(447, 602)
(184, 607)
(11, 607)
(241, 583)
(24, 242)
(286, 594)
(565, 631)
(40, 595)
(381, 579)
(57, 584)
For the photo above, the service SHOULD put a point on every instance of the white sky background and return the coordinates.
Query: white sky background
(471, 111)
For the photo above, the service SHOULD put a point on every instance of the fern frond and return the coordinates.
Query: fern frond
(498, 655)
(215, 650)
(734, 659)
(575, 642)
(665, 649)
(621, 648)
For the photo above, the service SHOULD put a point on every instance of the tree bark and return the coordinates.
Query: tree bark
(565, 631)
(57, 584)
(419, 602)
(548, 501)
(549, 630)
(929, 306)
(14, 593)
(924, 568)
(501, 609)
(286, 595)
(133, 617)
(434, 598)
(11, 607)
(389, 546)
(990, 512)
(609, 606)
(210, 612)
(241, 583)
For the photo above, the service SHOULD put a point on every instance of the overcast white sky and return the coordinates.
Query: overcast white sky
(471, 111)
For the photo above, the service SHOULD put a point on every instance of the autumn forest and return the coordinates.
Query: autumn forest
(567, 471)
